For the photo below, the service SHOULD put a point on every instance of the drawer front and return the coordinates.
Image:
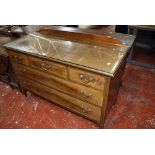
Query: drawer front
(19, 58)
(87, 78)
(71, 88)
(78, 106)
(47, 66)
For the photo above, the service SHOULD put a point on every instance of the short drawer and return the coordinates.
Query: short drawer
(79, 91)
(48, 66)
(87, 78)
(19, 58)
(90, 111)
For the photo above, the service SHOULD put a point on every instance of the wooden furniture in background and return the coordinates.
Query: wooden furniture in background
(4, 65)
(6, 71)
(144, 46)
(79, 70)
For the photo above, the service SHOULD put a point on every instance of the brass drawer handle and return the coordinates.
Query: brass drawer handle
(89, 79)
(85, 96)
(17, 58)
(22, 70)
(86, 111)
(27, 83)
(46, 66)
(81, 76)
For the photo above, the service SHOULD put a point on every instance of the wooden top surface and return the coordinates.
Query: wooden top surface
(101, 54)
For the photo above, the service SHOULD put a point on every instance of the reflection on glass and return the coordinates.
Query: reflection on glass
(40, 44)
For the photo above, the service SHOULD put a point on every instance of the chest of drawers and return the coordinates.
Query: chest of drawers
(81, 76)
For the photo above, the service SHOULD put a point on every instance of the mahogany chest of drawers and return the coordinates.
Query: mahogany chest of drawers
(80, 71)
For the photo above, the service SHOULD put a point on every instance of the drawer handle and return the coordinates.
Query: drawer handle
(85, 96)
(90, 79)
(46, 66)
(81, 76)
(86, 111)
(22, 70)
(27, 83)
(17, 58)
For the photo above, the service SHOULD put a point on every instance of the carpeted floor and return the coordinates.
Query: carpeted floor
(135, 105)
(134, 108)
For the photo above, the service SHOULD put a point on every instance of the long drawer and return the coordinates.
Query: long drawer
(87, 78)
(48, 66)
(87, 94)
(90, 111)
